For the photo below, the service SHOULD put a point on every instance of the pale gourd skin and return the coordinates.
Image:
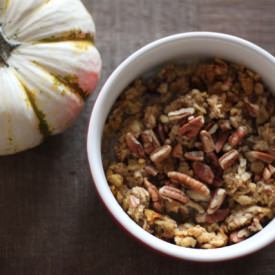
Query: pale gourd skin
(48, 66)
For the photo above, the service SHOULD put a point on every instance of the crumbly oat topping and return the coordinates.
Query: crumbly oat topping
(189, 153)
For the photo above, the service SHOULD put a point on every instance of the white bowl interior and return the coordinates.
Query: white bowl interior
(177, 47)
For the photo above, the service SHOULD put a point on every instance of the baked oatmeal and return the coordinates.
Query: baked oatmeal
(189, 153)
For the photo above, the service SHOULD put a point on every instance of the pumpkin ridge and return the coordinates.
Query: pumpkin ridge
(43, 125)
(68, 81)
(72, 35)
(27, 13)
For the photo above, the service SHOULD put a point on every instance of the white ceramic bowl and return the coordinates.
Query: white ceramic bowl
(175, 47)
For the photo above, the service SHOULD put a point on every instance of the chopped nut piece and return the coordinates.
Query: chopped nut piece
(150, 116)
(136, 200)
(234, 238)
(134, 145)
(195, 206)
(161, 153)
(197, 196)
(177, 151)
(189, 182)
(203, 172)
(136, 128)
(164, 226)
(207, 142)
(204, 238)
(228, 159)
(243, 217)
(194, 155)
(269, 171)
(242, 234)
(192, 128)
(150, 170)
(245, 200)
(215, 106)
(155, 196)
(180, 114)
(216, 201)
(219, 216)
(213, 129)
(236, 138)
(185, 241)
(222, 139)
(252, 109)
(150, 141)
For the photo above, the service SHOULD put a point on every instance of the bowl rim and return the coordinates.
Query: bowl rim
(99, 179)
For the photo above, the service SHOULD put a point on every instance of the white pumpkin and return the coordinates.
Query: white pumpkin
(48, 66)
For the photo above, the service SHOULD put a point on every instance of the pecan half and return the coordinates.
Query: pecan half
(134, 145)
(180, 114)
(169, 192)
(237, 137)
(203, 172)
(222, 138)
(252, 109)
(258, 155)
(154, 193)
(189, 182)
(177, 151)
(234, 237)
(228, 159)
(161, 153)
(219, 216)
(194, 155)
(216, 201)
(150, 141)
(207, 142)
(192, 127)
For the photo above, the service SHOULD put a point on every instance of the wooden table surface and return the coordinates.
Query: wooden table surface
(52, 222)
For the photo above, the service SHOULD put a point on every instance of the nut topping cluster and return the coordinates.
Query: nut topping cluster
(189, 153)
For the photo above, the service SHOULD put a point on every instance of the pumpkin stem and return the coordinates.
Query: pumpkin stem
(5, 48)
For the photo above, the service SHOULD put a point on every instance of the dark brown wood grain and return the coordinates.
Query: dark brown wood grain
(52, 222)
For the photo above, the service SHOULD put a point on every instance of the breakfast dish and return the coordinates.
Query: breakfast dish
(189, 153)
